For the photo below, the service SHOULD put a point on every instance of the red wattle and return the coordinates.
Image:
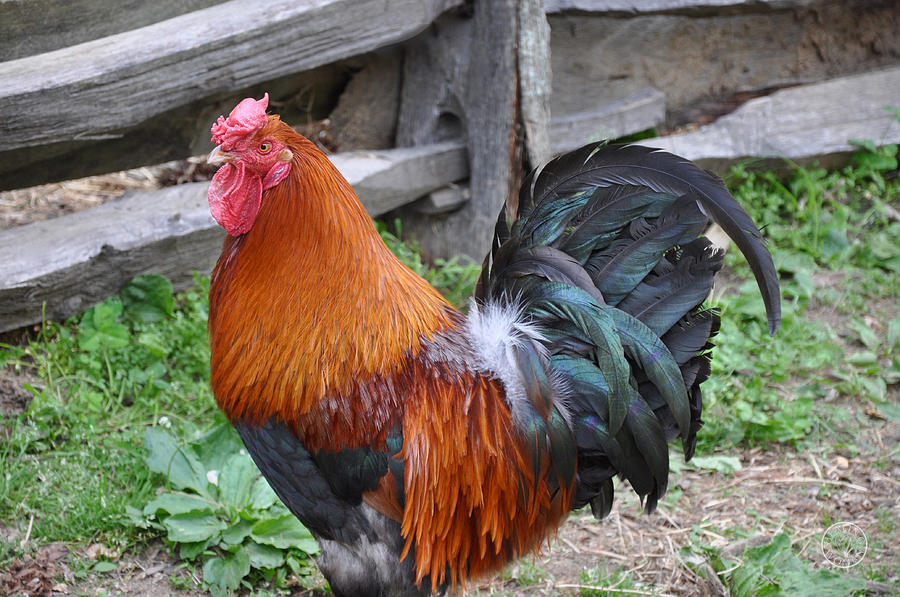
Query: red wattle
(234, 198)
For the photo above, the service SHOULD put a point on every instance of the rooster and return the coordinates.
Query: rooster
(423, 447)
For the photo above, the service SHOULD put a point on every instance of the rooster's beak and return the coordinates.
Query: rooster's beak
(217, 156)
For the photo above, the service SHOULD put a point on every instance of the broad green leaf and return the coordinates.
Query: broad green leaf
(178, 503)
(294, 564)
(154, 343)
(216, 446)
(105, 314)
(891, 411)
(189, 551)
(189, 527)
(867, 336)
(236, 533)
(718, 462)
(148, 298)
(100, 327)
(261, 494)
(794, 262)
(863, 358)
(136, 517)
(893, 334)
(178, 463)
(228, 572)
(284, 532)
(774, 569)
(264, 556)
(875, 386)
(104, 566)
(235, 480)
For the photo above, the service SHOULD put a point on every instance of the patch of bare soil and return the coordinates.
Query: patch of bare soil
(776, 490)
(36, 574)
(56, 571)
(151, 573)
(14, 398)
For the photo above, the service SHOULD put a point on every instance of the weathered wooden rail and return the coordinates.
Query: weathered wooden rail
(463, 87)
(800, 123)
(99, 91)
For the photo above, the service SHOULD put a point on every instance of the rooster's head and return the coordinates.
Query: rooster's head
(253, 162)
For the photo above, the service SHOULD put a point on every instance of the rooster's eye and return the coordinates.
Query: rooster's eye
(264, 148)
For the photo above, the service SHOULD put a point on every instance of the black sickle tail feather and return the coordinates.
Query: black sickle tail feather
(605, 256)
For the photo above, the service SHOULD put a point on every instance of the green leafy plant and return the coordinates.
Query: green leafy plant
(768, 570)
(773, 570)
(527, 573)
(219, 511)
(167, 356)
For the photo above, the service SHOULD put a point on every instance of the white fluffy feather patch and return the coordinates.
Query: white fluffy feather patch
(495, 329)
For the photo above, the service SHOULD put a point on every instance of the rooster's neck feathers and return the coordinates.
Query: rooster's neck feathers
(347, 310)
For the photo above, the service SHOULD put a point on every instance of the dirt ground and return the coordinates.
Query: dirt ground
(776, 489)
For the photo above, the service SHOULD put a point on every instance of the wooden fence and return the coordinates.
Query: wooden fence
(423, 93)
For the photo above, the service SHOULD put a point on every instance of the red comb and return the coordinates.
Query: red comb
(247, 117)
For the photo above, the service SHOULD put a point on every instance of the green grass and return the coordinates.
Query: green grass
(838, 252)
(75, 459)
(76, 468)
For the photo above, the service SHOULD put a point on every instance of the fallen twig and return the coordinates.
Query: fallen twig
(610, 590)
(571, 545)
(815, 465)
(801, 480)
(24, 541)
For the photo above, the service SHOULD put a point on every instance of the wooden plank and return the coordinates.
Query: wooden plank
(173, 135)
(445, 200)
(597, 59)
(686, 7)
(535, 80)
(388, 179)
(797, 123)
(365, 116)
(75, 261)
(29, 27)
(89, 91)
(637, 112)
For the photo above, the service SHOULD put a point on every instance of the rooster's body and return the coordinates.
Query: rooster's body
(423, 447)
